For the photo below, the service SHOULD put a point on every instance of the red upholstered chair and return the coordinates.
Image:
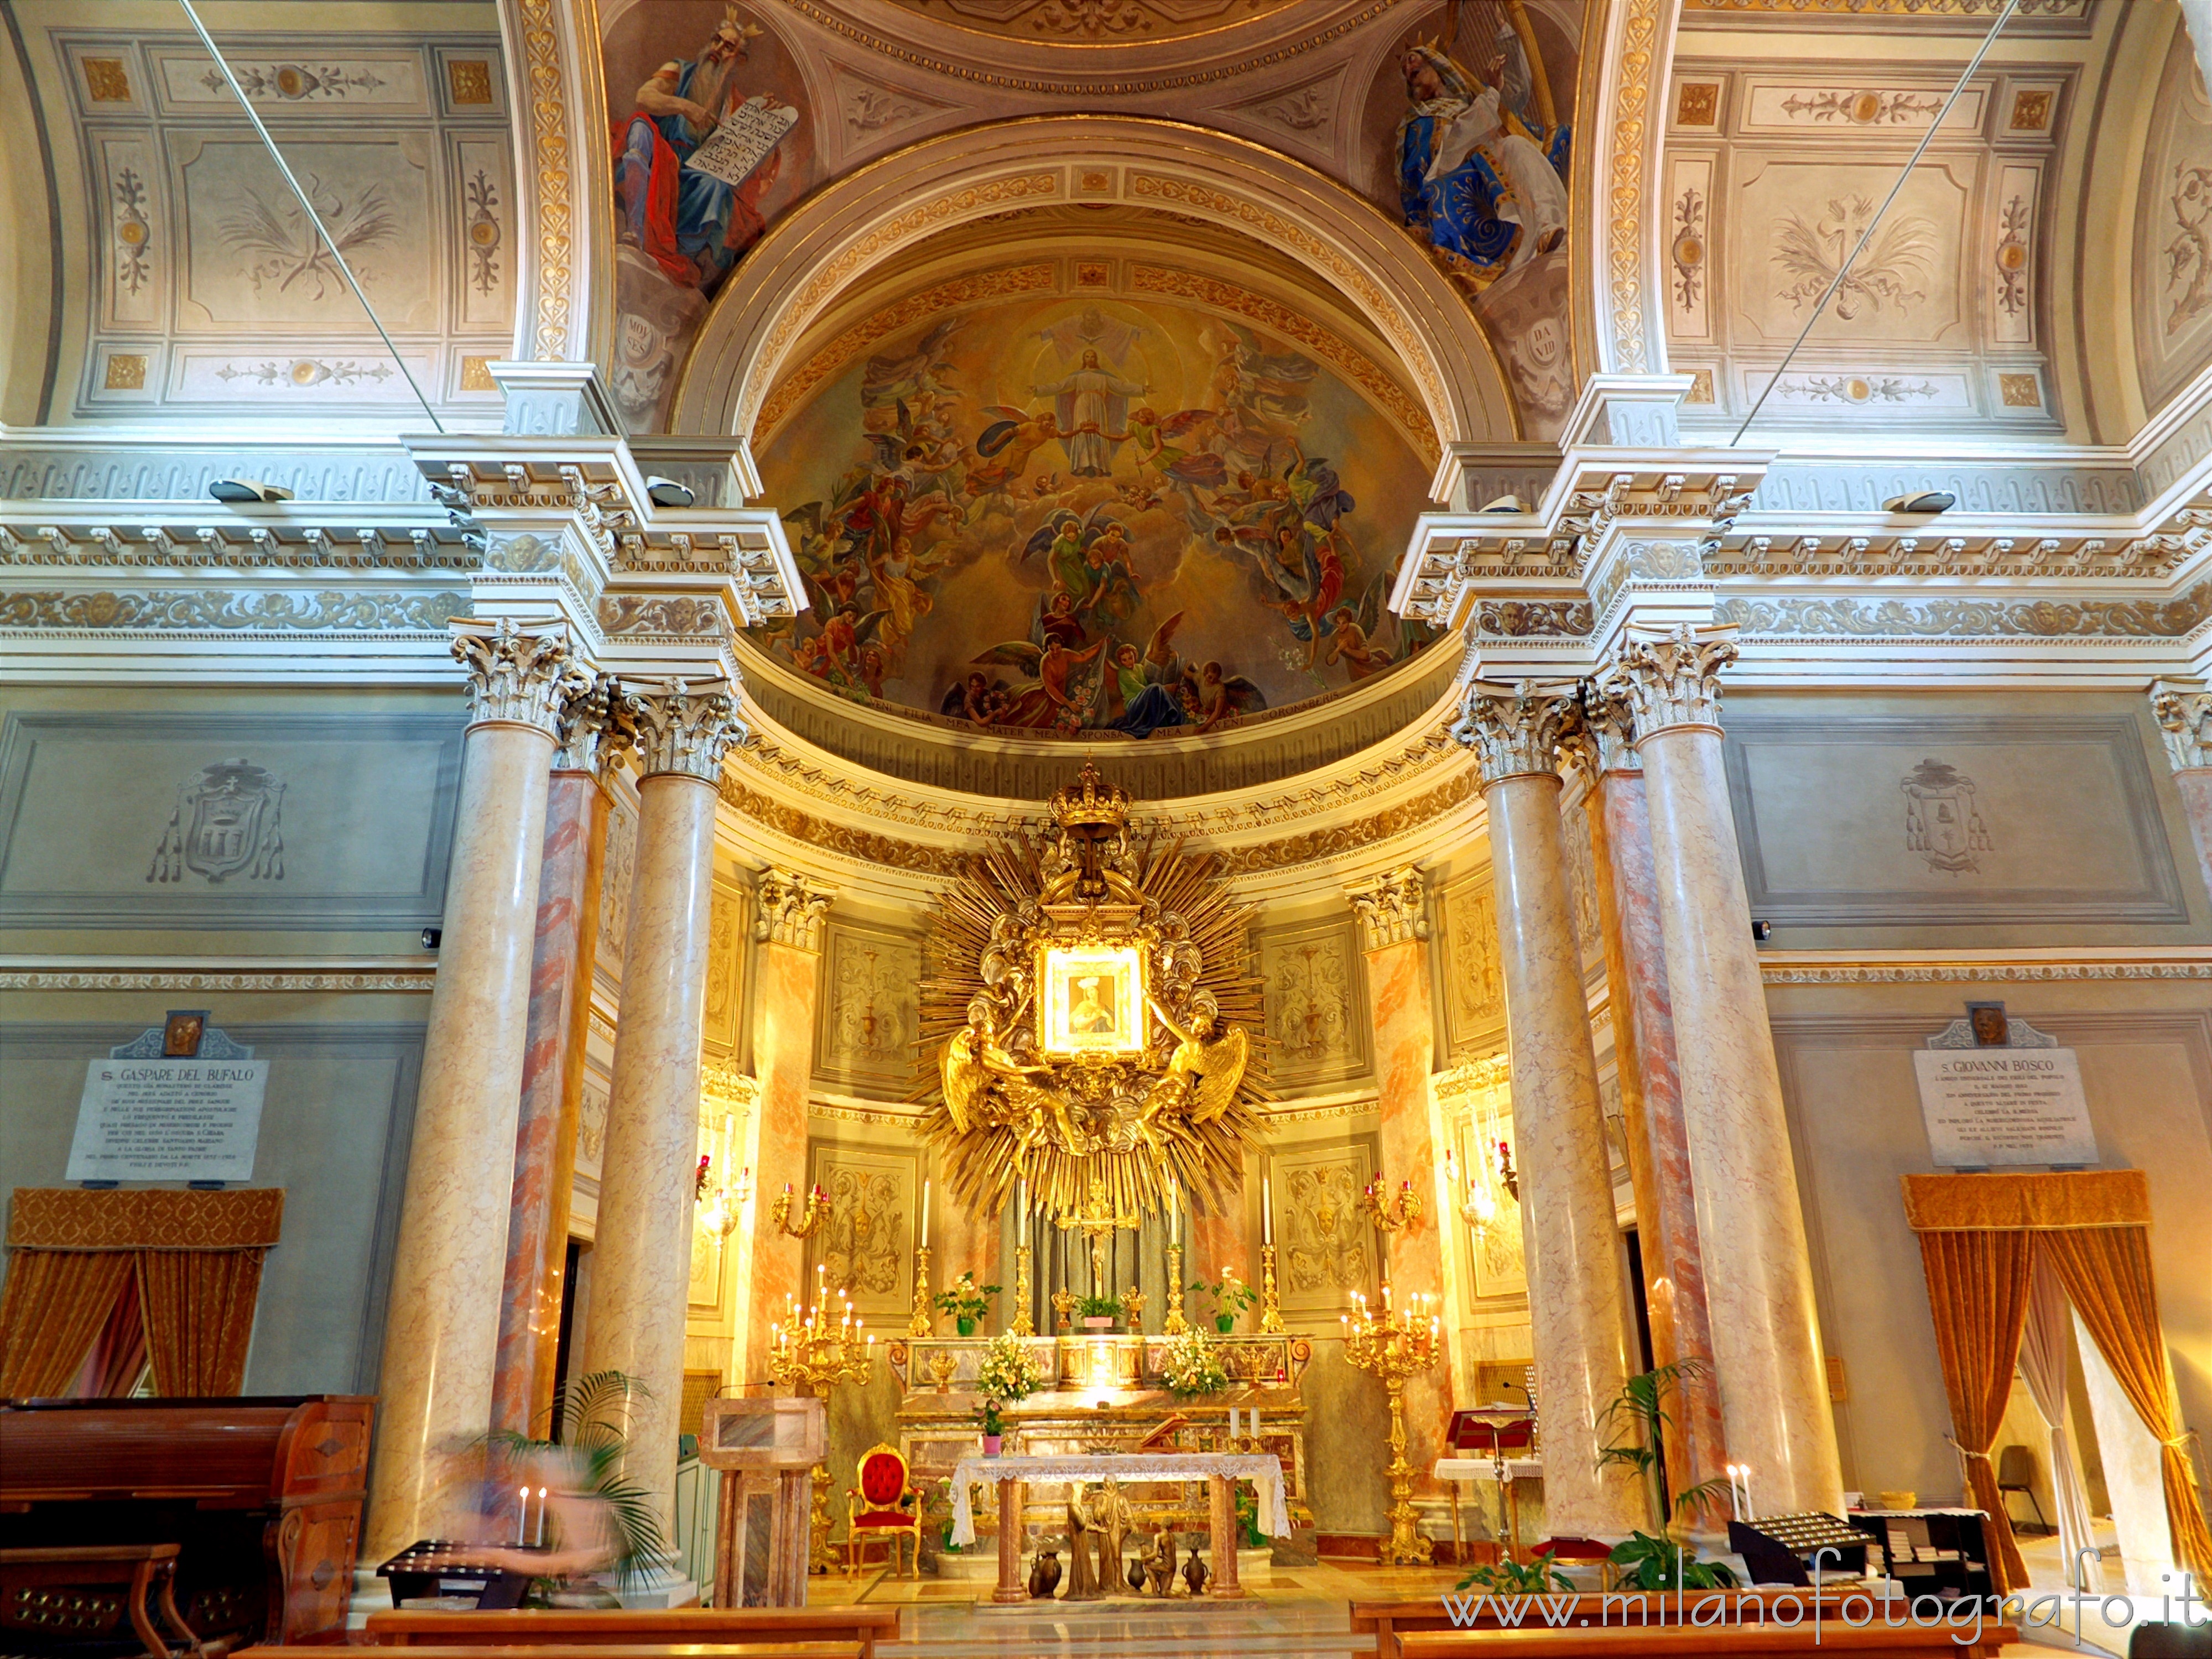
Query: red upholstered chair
(1587, 1551)
(886, 1505)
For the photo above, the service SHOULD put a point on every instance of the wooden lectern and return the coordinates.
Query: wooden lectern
(766, 1449)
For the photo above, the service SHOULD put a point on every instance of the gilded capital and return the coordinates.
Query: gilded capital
(1611, 727)
(1672, 680)
(514, 678)
(2183, 711)
(792, 909)
(685, 729)
(721, 1078)
(596, 725)
(1391, 907)
(1516, 732)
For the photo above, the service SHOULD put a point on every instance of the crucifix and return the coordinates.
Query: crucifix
(1098, 1221)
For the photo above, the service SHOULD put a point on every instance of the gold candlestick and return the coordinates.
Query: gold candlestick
(1175, 1324)
(1023, 1325)
(1271, 1312)
(812, 1209)
(921, 1324)
(1063, 1307)
(1394, 1347)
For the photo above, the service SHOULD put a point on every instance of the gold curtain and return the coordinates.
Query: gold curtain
(1977, 1293)
(198, 1258)
(56, 1303)
(2107, 1275)
(199, 1318)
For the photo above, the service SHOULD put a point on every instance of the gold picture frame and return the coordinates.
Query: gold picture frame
(1092, 1000)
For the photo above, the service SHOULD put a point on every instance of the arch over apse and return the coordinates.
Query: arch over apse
(835, 238)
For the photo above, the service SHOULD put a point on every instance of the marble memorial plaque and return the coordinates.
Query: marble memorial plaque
(1988, 1107)
(168, 1119)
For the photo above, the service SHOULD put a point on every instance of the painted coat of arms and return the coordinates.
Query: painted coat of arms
(226, 823)
(1941, 822)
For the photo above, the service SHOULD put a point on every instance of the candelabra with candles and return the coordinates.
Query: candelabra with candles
(1479, 1208)
(810, 1355)
(1391, 1210)
(724, 1200)
(814, 1209)
(1395, 1346)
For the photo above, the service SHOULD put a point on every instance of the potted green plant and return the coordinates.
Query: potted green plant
(1230, 1296)
(1637, 1423)
(591, 1412)
(1192, 1367)
(994, 1428)
(1098, 1313)
(1644, 1562)
(967, 1302)
(1511, 1578)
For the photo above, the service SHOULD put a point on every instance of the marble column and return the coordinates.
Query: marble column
(2183, 711)
(641, 1254)
(1579, 1321)
(1758, 1290)
(594, 733)
(787, 924)
(442, 1332)
(1651, 1097)
(1393, 909)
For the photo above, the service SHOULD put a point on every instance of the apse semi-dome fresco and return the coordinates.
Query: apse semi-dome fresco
(1081, 518)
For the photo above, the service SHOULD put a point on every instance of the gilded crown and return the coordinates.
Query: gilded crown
(1089, 801)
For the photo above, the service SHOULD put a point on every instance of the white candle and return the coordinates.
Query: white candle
(541, 1517)
(925, 1214)
(1232, 1422)
(521, 1512)
(1175, 1220)
(1267, 1212)
(1255, 1422)
(1022, 1211)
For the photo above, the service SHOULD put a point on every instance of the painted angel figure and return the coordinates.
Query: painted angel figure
(1207, 1064)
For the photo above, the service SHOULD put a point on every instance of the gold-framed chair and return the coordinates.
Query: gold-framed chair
(886, 1505)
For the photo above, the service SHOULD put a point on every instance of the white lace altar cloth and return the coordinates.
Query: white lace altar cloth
(1264, 1471)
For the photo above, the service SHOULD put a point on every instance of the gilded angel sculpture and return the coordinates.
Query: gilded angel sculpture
(973, 1059)
(1206, 1068)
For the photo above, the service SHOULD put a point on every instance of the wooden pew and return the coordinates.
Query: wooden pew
(770, 1649)
(1922, 1642)
(1390, 1622)
(657, 1628)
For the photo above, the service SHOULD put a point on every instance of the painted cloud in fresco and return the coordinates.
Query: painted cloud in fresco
(1063, 515)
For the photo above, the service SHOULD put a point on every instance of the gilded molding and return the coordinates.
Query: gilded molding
(792, 909)
(1347, 838)
(723, 1079)
(1393, 908)
(169, 611)
(411, 981)
(1631, 120)
(841, 838)
(549, 148)
(516, 678)
(1672, 681)
(1934, 619)
(683, 728)
(1947, 973)
(1490, 1071)
(1516, 732)
(2183, 711)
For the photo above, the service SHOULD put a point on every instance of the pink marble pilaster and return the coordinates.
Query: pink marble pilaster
(1652, 1099)
(2195, 784)
(788, 983)
(552, 1097)
(1579, 1324)
(441, 1329)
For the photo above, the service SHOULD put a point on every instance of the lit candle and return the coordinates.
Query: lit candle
(521, 1512)
(541, 1517)
(1267, 1212)
(1175, 1220)
(925, 1213)
(1022, 1211)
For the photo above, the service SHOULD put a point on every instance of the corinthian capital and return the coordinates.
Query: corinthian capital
(792, 909)
(514, 678)
(596, 725)
(1611, 727)
(685, 729)
(1672, 680)
(1391, 907)
(2183, 711)
(1516, 732)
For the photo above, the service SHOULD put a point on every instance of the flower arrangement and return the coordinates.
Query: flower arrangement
(1192, 1367)
(1098, 1307)
(967, 1302)
(1231, 1295)
(1008, 1371)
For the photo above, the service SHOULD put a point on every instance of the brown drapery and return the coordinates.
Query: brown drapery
(1977, 1293)
(196, 1257)
(2092, 1227)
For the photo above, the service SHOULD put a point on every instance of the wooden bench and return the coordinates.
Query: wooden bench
(709, 1627)
(1390, 1622)
(770, 1649)
(83, 1592)
(1912, 1641)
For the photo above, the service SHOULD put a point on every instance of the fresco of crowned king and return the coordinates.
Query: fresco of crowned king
(1070, 517)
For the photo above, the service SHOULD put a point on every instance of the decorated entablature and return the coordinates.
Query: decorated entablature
(1089, 1019)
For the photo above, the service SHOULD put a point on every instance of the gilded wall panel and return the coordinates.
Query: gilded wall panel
(871, 988)
(1318, 1029)
(1471, 982)
(864, 1245)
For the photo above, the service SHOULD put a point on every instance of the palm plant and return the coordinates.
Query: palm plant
(1637, 1422)
(592, 1415)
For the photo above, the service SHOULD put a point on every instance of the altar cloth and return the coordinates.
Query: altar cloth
(1263, 1470)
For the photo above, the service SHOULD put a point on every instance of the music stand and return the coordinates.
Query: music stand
(1493, 1432)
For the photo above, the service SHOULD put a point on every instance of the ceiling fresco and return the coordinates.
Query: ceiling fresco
(1094, 515)
(1093, 20)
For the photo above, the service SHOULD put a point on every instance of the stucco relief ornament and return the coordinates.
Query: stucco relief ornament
(1673, 679)
(1516, 731)
(2184, 716)
(1088, 1012)
(514, 678)
(1941, 822)
(227, 821)
(791, 910)
(1393, 908)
